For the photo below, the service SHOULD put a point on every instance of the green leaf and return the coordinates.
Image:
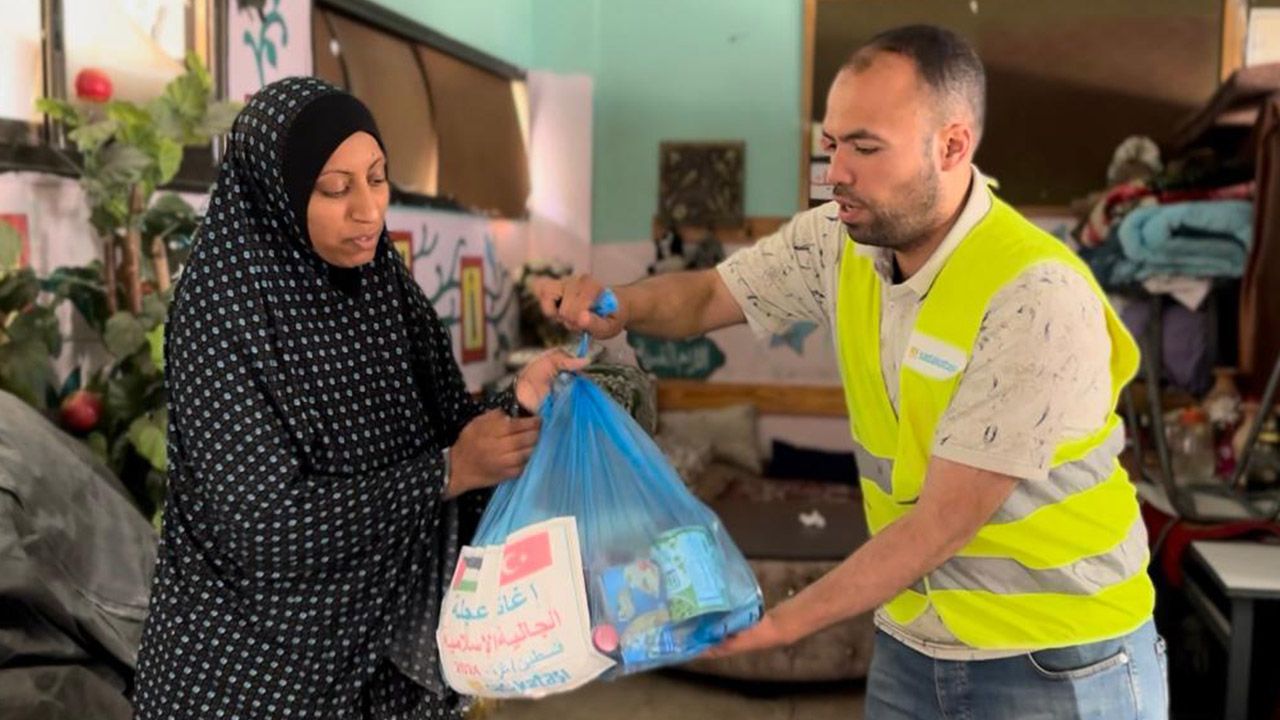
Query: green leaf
(168, 122)
(219, 117)
(37, 324)
(269, 49)
(83, 287)
(92, 136)
(98, 443)
(126, 399)
(18, 289)
(171, 204)
(130, 117)
(198, 72)
(10, 246)
(168, 159)
(124, 164)
(106, 216)
(124, 334)
(155, 338)
(26, 371)
(58, 109)
(147, 435)
(154, 311)
(186, 96)
(167, 215)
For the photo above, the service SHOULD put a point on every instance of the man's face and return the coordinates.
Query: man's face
(878, 132)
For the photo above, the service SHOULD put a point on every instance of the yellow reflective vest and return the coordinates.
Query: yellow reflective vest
(1063, 561)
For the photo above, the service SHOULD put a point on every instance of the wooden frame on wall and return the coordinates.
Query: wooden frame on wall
(43, 147)
(1235, 31)
(809, 27)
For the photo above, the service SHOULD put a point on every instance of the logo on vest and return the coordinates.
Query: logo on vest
(934, 358)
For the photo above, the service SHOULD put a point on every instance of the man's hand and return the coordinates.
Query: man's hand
(491, 448)
(569, 301)
(534, 382)
(955, 502)
(761, 636)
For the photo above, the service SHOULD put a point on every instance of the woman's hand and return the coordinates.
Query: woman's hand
(533, 384)
(491, 448)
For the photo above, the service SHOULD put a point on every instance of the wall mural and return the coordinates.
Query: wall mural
(471, 318)
(692, 359)
(267, 40)
(17, 223)
(794, 336)
(262, 43)
(455, 262)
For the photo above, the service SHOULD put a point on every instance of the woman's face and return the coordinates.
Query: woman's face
(349, 203)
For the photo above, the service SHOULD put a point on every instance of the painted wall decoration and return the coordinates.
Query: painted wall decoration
(692, 359)
(402, 241)
(59, 234)
(266, 40)
(803, 354)
(794, 336)
(701, 183)
(472, 318)
(445, 246)
(18, 221)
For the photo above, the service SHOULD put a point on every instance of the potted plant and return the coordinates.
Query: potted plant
(125, 151)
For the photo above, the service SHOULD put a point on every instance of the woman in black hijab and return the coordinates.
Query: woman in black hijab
(318, 428)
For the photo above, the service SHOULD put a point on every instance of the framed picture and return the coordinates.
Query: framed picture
(18, 221)
(472, 318)
(701, 183)
(402, 241)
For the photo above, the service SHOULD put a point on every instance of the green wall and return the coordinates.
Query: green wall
(680, 70)
(663, 70)
(501, 28)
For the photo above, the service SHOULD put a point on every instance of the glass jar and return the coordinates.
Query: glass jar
(1191, 448)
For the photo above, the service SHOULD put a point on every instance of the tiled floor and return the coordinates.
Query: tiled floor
(681, 696)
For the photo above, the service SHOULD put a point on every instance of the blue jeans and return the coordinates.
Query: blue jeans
(1120, 679)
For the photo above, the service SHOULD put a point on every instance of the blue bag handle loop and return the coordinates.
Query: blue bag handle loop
(606, 304)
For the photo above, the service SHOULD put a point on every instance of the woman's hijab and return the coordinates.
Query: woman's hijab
(305, 538)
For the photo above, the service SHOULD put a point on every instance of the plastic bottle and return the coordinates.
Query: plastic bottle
(1264, 465)
(1191, 447)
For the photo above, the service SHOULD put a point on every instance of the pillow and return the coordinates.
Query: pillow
(791, 461)
(730, 430)
(689, 456)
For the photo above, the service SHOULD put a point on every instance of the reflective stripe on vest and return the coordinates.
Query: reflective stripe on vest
(1063, 560)
(1027, 497)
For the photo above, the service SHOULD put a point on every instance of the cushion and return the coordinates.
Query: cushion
(793, 461)
(689, 456)
(731, 431)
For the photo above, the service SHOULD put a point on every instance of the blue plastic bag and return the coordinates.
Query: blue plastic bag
(663, 581)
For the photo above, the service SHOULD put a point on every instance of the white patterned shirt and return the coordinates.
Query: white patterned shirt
(1039, 371)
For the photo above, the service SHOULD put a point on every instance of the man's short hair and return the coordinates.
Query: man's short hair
(947, 63)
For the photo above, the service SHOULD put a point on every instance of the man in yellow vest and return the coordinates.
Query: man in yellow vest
(981, 365)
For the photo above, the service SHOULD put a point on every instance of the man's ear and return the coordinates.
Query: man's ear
(957, 145)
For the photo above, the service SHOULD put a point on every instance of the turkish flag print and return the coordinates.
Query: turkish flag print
(525, 557)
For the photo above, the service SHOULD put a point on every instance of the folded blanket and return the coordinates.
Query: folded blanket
(1196, 239)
